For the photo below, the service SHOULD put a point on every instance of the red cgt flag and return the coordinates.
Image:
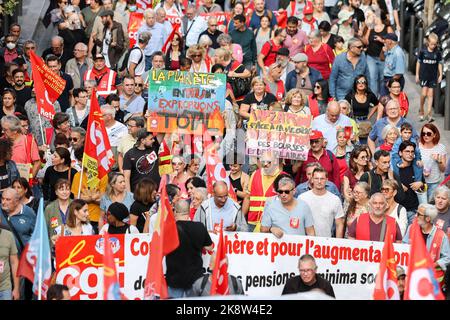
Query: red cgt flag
(386, 287)
(47, 85)
(111, 287)
(421, 283)
(164, 241)
(98, 157)
(219, 283)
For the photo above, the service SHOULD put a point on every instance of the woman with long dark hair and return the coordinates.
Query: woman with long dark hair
(144, 198)
(77, 222)
(175, 52)
(318, 100)
(358, 165)
(23, 188)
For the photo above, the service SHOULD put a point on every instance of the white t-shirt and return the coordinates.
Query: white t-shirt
(106, 43)
(325, 209)
(116, 132)
(429, 164)
(135, 56)
(401, 218)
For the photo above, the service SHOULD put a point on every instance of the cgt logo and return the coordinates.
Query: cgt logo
(86, 284)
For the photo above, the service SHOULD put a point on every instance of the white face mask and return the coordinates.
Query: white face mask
(10, 45)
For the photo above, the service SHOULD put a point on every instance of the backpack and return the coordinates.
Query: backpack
(124, 64)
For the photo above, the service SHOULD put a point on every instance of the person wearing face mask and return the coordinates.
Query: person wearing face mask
(9, 53)
(436, 240)
(259, 188)
(372, 226)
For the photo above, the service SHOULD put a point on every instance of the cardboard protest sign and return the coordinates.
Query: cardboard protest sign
(286, 134)
(190, 103)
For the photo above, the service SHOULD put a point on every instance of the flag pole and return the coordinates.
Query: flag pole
(42, 130)
(41, 249)
(81, 177)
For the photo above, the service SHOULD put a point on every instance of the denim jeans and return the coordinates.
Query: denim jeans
(148, 63)
(176, 293)
(376, 67)
(6, 295)
(410, 215)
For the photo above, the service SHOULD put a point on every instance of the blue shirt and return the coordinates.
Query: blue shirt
(444, 258)
(375, 133)
(396, 160)
(136, 106)
(394, 62)
(291, 222)
(343, 74)
(24, 223)
(156, 41)
(304, 187)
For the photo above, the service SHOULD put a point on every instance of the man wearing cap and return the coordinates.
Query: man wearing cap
(318, 153)
(346, 67)
(283, 61)
(111, 42)
(116, 214)
(136, 60)
(330, 122)
(309, 23)
(296, 39)
(394, 63)
(303, 77)
(107, 80)
(436, 240)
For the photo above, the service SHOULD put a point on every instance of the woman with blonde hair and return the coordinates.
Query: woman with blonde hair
(295, 103)
(257, 99)
(197, 54)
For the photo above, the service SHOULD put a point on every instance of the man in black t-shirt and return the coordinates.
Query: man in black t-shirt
(142, 160)
(308, 278)
(185, 264)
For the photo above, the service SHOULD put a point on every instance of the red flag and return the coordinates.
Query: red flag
(386, 287)
(98, 157)
(281, 18)
(175, 28)
(215, 171)
(48, 86)
(136, 21)
(421, 283)
(164, 241)
(219, 284)
(111, 287)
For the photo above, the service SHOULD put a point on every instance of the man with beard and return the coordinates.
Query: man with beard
(268, 54)
(296, 39)
(142, 160)
(111, 43)
(23, 93)
(436, 240)
(283, 61)
(302, 75)
(259, 188)
(134, 124)
(373, 226)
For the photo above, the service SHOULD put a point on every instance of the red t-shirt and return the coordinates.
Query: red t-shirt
(321, 60)
(270, 56)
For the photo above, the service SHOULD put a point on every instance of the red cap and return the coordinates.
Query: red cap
(308, 9)
(315, 134)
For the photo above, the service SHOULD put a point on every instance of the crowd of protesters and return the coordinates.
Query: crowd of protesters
(368, 165)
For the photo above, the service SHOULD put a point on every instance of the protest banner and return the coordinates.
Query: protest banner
(189, 103)
(262, 262)
(286, 134)
(136, 21)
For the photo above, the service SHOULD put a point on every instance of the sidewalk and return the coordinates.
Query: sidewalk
(413, 92)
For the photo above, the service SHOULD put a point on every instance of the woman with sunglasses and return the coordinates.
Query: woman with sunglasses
(200, 63)
(434, 157)
(318, 100)
(358, 202)
(363, 101)
(179, 175)
(115, 192)
(174, 52)
(395, 210)
(358, 165)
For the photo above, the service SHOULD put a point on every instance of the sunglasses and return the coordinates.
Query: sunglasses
(303, 83)
(285, 191)
(428, 134)
(385, 189)
(139, 84)
(358, 47)
(73, 139)
(317, 87)
(196, 55)
(361, 82)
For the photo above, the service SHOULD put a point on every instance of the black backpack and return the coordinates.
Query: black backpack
(124, 65)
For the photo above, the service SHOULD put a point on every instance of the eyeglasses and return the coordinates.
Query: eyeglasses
(30, 48)
(73, 139)
(428, 134)
(361, 82)
(314, 141)
(419, 214)
(385, 189)
(285, 191)
(306, 270)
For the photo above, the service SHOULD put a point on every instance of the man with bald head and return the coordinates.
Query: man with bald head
(79, 65)
(59, 49)
(212, 32)
(373, 226)
(330, 122)
(219, 207)
(18, 217)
